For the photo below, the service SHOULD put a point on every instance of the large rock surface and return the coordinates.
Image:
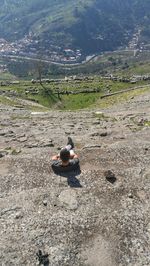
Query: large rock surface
(80, 220)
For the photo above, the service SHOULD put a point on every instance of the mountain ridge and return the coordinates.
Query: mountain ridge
(92, 27)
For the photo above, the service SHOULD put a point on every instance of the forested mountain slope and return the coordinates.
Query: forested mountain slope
(92, 25)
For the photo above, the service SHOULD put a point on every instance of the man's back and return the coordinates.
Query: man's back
(58, 168)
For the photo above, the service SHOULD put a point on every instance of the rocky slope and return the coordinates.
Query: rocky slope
(95, 218)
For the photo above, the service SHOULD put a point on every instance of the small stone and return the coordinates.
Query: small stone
(45, 202)
(3, 153)
(130, 196)
(2, 133)
(96, 123)
(32, 145)
(23, 139)
(68, 133)
(68, 199)
(110, 176)
(103, 134)
(10, 133)
(19, 215)
(47, 145)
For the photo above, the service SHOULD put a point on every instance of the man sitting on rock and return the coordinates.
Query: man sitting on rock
(67, 160)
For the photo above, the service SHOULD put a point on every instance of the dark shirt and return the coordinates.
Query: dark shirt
(59, 168)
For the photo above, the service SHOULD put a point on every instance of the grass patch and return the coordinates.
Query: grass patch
(79, 101)
(7, 101)
(93, 100)
(7, 76)
(15, 152)
(21, 117)
(14, 103)
(37, 108)
(139, 68)
(119, 98)
(147, 123)
(44, 100)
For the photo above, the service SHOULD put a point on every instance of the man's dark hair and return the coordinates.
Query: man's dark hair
(64, 155)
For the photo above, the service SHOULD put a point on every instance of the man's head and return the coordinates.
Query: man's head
(64, 155)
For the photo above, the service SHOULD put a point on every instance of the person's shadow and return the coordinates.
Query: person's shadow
(71, 177)
(42, 258)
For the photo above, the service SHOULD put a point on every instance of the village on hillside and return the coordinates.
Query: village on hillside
(28, 47)
(31, 47)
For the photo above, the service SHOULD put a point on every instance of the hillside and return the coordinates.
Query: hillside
(78, 219)
(95, 26)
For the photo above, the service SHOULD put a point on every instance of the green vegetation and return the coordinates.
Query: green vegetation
(46, 96)
(119, 98)
(15, 152)
(80, 101)
(47, 100)
(125, 65)
(147, 123)
(75, 102)
(7, 76)
(59, 94)
(7, 101)
(137, 68)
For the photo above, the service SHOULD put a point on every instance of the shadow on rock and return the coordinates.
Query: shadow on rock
(110, 176)
(43, 258)
(71, 177)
